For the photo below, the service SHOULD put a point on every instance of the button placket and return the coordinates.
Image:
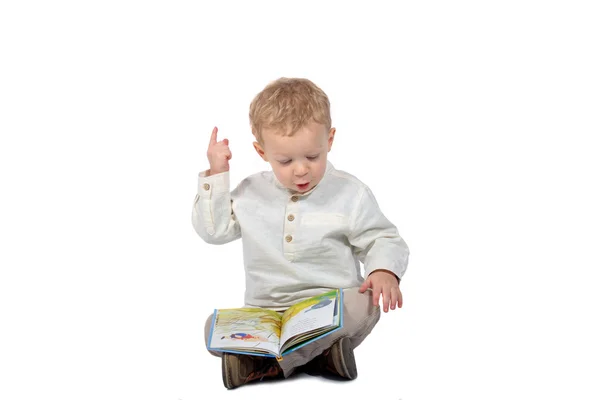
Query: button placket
(289, 230)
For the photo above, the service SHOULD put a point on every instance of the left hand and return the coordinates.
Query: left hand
(384, 283)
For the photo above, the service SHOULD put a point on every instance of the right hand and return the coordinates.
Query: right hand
(218, 154)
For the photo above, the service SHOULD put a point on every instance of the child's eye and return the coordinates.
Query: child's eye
(313, 157)
(284, 162)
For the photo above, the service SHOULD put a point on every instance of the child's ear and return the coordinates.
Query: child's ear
(260, 151)
(330, 139)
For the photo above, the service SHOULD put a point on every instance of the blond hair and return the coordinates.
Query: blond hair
(287, 105)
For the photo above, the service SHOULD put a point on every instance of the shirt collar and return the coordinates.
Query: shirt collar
(328, 169)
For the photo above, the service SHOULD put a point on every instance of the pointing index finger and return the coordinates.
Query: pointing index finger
(213, 136)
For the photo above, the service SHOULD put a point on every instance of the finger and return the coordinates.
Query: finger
(228, 155)
(386, 300)
(366, 284)
(226, 141)
(394, 298)
(399, 298)
(376, 293)
(213, 136)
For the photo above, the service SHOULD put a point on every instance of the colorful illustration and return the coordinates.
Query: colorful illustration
(323, 303)
(265, 332)
(248, 324)
(246, 337)
(309, 304)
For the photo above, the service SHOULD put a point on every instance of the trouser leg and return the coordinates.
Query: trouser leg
(207, 326)
(360, 316)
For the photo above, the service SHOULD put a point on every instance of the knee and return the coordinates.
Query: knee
(360, 303)
(359, 312)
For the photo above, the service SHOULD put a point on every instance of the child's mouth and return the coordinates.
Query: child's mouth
(304, 186)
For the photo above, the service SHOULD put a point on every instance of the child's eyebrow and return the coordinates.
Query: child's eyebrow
(309, 154)
(313, 152)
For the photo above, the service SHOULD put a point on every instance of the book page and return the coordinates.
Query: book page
(246, 329)
(308, 315)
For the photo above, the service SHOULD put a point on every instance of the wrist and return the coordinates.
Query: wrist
(215, 171)
(387, 271)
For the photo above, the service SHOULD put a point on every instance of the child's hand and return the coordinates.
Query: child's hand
(218, 154)
(384, 283)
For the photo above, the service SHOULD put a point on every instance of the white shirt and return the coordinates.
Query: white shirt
(297, 245)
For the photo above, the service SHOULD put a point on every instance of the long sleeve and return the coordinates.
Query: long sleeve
(375, 239)
(212, 215)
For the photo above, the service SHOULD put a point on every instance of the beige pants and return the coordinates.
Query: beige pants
(360, 316)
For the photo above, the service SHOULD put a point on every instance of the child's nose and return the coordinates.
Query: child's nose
(300, 169)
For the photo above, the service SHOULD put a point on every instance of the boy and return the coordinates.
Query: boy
(304, 227)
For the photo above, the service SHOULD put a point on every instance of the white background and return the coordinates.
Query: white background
(474, 123)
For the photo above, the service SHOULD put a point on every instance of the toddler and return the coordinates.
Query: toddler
(305, 229)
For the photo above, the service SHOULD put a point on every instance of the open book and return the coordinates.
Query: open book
(263, 332)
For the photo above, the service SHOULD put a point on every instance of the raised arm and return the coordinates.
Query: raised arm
(212, 214)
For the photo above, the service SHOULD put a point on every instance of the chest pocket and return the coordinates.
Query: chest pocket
(323, 234)
(319, 219)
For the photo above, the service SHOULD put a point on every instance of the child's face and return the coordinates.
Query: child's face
(298, 161)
